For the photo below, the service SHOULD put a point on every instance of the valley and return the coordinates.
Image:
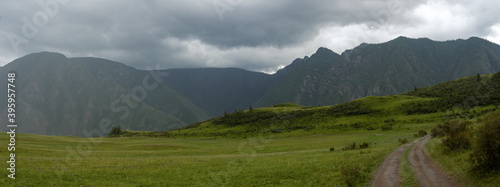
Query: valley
(281, 145)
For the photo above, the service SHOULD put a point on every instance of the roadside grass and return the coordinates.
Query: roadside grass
(456, 163)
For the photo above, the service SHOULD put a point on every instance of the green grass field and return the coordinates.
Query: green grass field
(271, 159)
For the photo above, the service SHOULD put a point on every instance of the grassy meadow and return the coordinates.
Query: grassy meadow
(282, 159)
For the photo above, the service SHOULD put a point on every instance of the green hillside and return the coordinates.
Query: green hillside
(374, 113)
(465, 92)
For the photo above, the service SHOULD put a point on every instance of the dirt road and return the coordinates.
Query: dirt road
(388, 174)
(425, 170)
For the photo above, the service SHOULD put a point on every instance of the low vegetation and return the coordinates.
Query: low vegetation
(115, 131)
(469, 150)
(463, 93)
(485, 156)
(421, 133)
(403, 140)
(457, 134)
(353, 175)
(349, 147)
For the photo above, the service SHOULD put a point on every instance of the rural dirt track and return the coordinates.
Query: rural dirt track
(427, 173)
(388, 174)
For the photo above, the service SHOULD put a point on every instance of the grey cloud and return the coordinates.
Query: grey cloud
(175, 34)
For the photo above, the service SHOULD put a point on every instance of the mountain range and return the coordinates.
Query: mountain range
(57, 95)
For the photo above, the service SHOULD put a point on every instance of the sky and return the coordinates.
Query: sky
(257, 35)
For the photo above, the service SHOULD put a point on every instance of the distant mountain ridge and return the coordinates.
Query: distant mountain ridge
(393, 67)
(57, 95)
(63, 96)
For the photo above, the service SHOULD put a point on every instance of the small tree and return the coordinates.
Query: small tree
(486, 153)
(478, 78)
(364, 145)
(115, 131)
(250, 108)
(458, 135)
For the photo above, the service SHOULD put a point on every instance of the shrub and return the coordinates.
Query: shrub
(386, 127)
(350, 147)
(458, 135)
(115, 131)
(486, 153)
(356, 125)
(370, 128)
(332, 148)
(403, 140)
(421, 133)
(364, 145)
(352, 108)
(352, 174)
(437, 132)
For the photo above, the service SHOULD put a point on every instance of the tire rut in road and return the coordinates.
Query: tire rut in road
(425, 170)
(388, 174)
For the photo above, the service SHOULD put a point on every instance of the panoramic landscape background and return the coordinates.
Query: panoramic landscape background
(250, 93)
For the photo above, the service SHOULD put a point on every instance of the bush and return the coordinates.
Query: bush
(458, 135)
(352, 174)
(437, 132)
(115, 131)
(403, 140)
(486, 153)
(421, 133)
(352, 108)
(332, 148)
(386, 127)
(364, 145)
(350, 147)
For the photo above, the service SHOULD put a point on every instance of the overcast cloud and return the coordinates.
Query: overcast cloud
(256, 35)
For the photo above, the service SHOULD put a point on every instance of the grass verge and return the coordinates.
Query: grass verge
(407, 175)
(457, 165)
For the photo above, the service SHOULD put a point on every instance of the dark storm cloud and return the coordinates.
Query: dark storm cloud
(256, 23)
(252, 34)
